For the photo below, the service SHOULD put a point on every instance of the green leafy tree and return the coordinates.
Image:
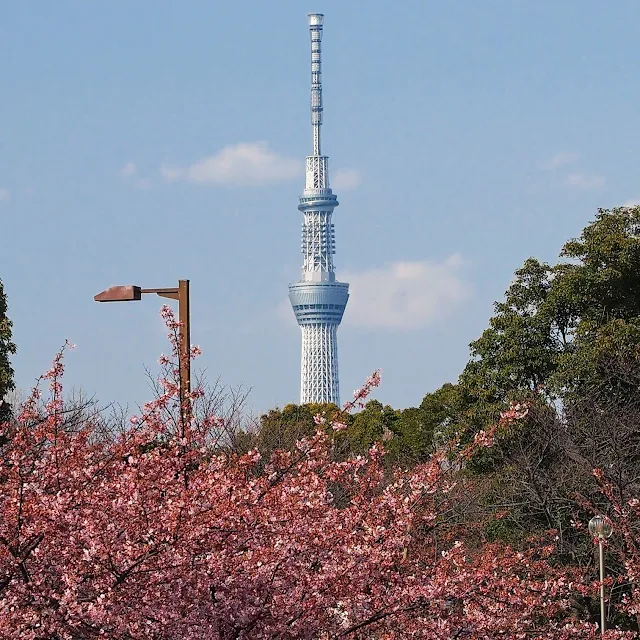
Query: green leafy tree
(7, 347)
(446, 413)
(603, 282)
(519, 352)
(605, 266)
(282, 428)
(566, 339)
(373, 424)
(560, 328)
(413, 440)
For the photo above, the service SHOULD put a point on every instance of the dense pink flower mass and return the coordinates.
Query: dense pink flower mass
(157, 536)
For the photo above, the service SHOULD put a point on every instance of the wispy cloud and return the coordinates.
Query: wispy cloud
(576, 179)
(129, 169)
(559, 160)
(5, 195)
(584, 181)
(404, 295)
(245, 164)
(632, 203)
(130, 173)
(346, 179)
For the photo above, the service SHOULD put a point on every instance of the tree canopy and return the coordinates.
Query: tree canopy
(7, 347)
(564, 330)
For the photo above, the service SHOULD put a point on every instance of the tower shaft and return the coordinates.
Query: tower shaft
(318, 300)
(319, 366)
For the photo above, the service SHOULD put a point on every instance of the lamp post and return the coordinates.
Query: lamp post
(600, 527)
(128, 293)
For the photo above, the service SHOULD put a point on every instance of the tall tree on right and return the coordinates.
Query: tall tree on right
(565, 330)
(7, 347)
(602, 279)
(565, 340)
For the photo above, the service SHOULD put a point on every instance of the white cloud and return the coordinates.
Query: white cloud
(129, 169)
(243, 164)
(5, 195)
(404, 295)
(561, 159)
(632, 203)
(345, 180)
(584, 181)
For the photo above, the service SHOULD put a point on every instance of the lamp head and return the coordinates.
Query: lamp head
(122, 293)
(599, 526)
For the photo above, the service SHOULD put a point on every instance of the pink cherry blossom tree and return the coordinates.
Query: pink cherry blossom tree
(162, 535)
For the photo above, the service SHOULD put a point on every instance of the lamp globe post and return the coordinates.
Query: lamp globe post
(600, 527)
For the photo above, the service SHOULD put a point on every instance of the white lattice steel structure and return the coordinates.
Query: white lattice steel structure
(317, 299)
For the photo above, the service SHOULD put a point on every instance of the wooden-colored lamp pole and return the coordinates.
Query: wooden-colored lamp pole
(127, 293)
(601, 528)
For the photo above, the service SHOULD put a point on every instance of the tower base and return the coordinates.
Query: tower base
(319, 365)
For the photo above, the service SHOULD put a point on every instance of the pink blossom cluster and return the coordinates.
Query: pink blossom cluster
(516, 411)
(360, 395)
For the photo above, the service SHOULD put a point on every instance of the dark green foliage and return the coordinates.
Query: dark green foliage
(604, 287)
(6, 348)
(373, 424)
(443, 409)
(566, 340)
(413, 437)
(282, 428)
(407, 434)
(519, 352)
(605, 283)
(502, 530)
(563, 331)
(451, 413)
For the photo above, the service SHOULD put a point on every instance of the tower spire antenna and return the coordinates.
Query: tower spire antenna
(316, 21)
(318, 300)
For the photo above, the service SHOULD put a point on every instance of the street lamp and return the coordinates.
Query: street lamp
(128, 293)
(599, 526)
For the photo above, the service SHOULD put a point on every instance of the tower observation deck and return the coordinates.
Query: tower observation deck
(318, 300)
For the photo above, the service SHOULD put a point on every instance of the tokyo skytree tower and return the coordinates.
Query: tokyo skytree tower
(318, 300)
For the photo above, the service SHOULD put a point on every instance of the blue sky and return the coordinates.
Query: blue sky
(150, 141)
